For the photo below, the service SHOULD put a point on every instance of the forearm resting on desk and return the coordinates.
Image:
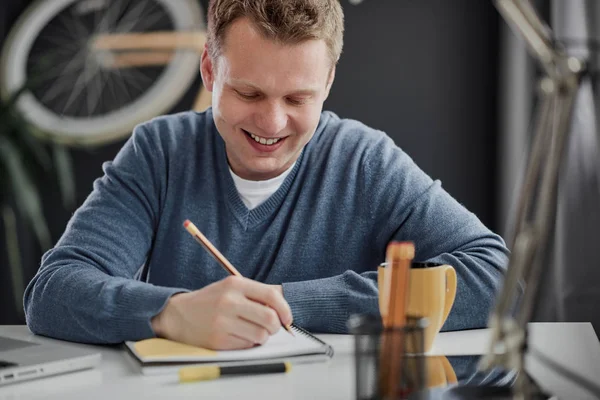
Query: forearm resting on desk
(85, 305)
(324, 305)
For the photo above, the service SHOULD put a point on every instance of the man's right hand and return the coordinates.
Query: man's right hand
(233, 313)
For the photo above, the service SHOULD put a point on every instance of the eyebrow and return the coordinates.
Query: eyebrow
(301, 92)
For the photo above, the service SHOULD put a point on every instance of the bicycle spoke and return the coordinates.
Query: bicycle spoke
(149, 21)
(131, 17)
(60, 40)
(111, 88)
(82, 30)
(60, 46)
(58, 25)
(76, 63)
(117, 87)
(94, 93)
(140, 75)
(154, 13)
(80, 84)
(142, 23)
(96, 22)
(62, 85)
(66, 27)
(103, 84)
(44, 66)
(110, 18)
(121, 82)
(75, 93)
(135, 77)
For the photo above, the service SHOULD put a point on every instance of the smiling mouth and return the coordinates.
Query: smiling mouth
(262, 140)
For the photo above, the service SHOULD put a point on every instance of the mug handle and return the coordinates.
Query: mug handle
(450, 291)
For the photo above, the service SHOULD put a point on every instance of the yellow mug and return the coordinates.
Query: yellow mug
(432, 292)
(439, 372)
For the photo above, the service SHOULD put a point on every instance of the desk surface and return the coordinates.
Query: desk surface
(573, 345)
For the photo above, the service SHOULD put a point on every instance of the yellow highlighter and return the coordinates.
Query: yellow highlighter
(209, 372)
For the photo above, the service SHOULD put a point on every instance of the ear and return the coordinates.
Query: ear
(207, 70)
(330, 81)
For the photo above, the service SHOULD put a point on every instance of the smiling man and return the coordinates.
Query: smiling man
(302, 202)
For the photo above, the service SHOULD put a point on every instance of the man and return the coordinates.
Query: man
(302, 202)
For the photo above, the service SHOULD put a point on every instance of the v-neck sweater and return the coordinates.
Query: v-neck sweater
(321, 235)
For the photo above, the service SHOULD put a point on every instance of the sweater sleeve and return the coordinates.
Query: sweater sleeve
(407, 205)
(443, 231)
(85, 289)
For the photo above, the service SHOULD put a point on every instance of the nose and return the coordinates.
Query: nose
(271, 119)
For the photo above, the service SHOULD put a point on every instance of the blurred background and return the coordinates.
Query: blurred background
(447, 80)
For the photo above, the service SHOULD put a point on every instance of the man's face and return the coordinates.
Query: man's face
(267, 98)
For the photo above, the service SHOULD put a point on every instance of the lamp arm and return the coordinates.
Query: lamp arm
(538, 199)
(521, 16)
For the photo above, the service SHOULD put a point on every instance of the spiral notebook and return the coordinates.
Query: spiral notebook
(160, 356)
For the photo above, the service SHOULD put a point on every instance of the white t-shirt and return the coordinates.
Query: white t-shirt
(254, 193)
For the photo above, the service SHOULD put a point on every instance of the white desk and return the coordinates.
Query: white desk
(573, 345)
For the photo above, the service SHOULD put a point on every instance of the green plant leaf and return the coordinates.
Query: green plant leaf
(31, 145)
(26, 195)
(64, 172)
(14, 256)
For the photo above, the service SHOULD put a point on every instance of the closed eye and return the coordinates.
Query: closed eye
(296, 101)
(247, 96)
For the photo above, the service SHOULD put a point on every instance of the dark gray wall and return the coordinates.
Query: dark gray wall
(424, 71)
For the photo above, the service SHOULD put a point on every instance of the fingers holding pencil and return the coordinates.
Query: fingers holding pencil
(269, 297)
(217, 316)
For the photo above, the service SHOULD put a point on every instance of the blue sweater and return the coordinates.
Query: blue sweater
(321, 234)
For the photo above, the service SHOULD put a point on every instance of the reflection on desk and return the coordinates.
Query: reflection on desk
(472, 383)
(441, 377)
(466, 371)
(117, 379)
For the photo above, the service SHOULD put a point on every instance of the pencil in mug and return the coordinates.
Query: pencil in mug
(399, 257)
(213, 251)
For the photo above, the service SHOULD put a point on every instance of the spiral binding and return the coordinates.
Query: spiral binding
(304, 332)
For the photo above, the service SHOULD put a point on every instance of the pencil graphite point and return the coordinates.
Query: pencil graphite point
(289, 329)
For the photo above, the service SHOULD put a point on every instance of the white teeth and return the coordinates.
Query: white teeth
(260, 140)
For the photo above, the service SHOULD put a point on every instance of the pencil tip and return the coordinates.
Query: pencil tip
(287, 328)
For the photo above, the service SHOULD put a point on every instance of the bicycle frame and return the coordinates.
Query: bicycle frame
(151, 49)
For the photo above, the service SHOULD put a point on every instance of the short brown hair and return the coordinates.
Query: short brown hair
(287, 21)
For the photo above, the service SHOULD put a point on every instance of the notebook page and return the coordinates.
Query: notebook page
(280, 345)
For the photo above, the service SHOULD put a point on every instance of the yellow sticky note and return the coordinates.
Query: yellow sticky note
(157, 347)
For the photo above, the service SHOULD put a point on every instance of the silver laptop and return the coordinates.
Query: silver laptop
(22, 360)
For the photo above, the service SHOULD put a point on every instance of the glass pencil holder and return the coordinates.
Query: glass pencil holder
(390, 363)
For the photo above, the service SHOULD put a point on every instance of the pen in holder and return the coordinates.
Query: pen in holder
(390, 362)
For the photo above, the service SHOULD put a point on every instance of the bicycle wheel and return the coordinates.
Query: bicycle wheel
(75, 99)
